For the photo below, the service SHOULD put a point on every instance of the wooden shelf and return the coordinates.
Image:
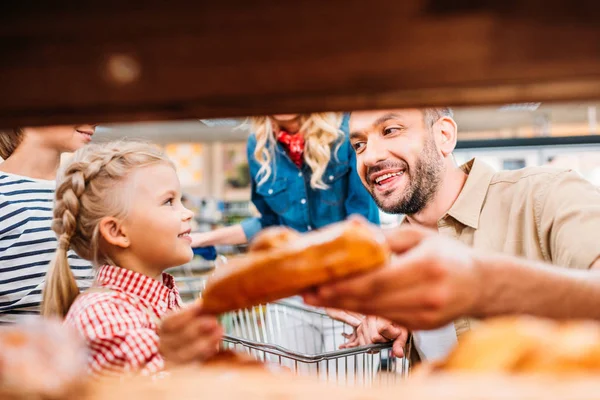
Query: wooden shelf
(179, 60)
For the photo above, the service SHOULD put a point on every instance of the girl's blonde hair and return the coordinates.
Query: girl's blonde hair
(87, 191)
(9, 140)
(320, 131)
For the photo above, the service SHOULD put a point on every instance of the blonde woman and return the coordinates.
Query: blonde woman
(303, 172)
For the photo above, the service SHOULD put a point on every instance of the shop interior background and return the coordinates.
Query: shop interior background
(211, 154)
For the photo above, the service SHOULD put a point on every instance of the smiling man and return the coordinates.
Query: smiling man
(404, 158)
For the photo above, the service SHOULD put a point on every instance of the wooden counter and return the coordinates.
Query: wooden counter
(250, 385)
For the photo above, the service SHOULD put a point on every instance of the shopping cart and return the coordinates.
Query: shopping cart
(306, 341)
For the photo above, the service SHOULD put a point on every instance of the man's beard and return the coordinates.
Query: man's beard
(423, 185)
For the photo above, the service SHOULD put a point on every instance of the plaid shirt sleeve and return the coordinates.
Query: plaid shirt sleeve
(121, 337)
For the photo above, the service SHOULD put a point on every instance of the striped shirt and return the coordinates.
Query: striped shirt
(118, 318)
(27, 245)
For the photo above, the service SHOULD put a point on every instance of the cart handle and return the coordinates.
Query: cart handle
(331, 355)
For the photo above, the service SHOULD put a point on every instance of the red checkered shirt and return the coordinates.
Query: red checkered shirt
(119, 320)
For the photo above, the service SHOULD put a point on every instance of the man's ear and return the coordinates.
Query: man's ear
(446, 132)
(113, 232)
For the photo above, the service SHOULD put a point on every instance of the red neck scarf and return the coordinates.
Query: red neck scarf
(294, 145)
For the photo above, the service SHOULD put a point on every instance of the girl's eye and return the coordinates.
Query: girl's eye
(169, 202)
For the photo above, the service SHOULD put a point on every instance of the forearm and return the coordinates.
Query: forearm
(512, 285)
(230, 235)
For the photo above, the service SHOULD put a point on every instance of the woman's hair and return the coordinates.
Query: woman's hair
(320, 131)
(87, 190)
(9, 140)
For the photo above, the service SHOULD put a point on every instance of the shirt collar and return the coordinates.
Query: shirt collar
(160, 295)
(467, 207)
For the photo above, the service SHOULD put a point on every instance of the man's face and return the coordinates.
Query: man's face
(397, 158)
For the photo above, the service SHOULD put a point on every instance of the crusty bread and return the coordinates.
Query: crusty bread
(295, 265)
(273, 237)
(527, 345)
(41, 359)
(233, 359)
(194, 383)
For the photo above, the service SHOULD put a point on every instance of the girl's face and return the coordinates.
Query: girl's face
(63, 138)
(157, 225)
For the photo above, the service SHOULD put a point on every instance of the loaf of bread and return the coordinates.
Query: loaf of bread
(283, 263)
(233, 359)
(272, 238)
(527, 345)
(41, 359)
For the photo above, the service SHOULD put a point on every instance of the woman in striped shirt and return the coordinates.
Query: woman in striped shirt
(27, 243)
(118, 205)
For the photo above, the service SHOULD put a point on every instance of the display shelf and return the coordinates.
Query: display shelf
(236, 195)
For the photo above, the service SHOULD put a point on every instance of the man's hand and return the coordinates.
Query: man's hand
(187, 336)
(432, 280)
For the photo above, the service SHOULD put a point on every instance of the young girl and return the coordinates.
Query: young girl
(118, 205)
(31, 158)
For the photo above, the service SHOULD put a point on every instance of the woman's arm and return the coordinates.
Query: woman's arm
(244, 232)
(230, 235)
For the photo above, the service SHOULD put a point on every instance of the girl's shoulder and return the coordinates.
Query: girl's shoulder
(105, 307)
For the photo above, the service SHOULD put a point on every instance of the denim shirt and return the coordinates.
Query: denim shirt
(286, 198)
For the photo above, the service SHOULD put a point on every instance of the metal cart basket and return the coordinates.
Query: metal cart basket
(306, 340)
(300, 338)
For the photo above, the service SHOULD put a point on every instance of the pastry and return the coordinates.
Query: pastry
(273, 237)
(40, 359)
(233, 359)
(284, 264)
(527, 345)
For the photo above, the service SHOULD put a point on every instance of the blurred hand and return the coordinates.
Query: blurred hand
(432, 281)
(188, 336)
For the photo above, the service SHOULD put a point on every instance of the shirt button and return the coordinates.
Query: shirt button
(330, 177)
(270, 191)
(303, 201)
(309, 228)
(300, 174)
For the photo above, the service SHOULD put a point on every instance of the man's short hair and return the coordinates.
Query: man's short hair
(432, 115)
